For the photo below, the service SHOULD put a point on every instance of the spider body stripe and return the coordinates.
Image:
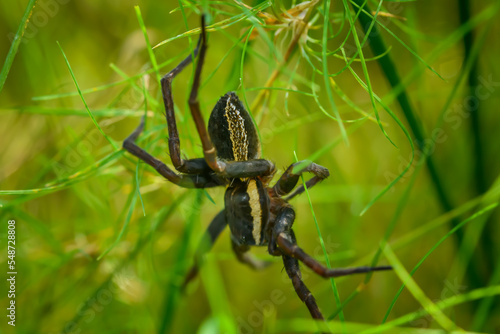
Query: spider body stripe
(237, 131)
(255, 205)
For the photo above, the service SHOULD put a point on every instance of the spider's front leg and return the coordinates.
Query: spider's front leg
(183, 180)
(291, 176)
(228, 116)
(191, 166)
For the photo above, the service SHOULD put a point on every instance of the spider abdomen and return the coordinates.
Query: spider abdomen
(247, 211)
(232, 131)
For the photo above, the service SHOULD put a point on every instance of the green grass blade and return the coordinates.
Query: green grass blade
(322, 243)
(483, 312)
(433, 248)
(130, 80)
(216, 294)
(472, 46)
(70, 180)
(378, 46)
(468, 40)
(83, 100)
(15, 43)
(488, 292)
(390, 228)
(152, 56)
(405, 131)
(363, 64)
(366, 16)
(173, 289)
(107, 86)
(221, 24)
(105, 112)
(326, 78)
(417, 293)
(132, 200)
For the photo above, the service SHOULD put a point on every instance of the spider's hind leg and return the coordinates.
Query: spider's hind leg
(288, 245)
(283, 224)
(211, 234)
(293, 271)
(243, 256)
(283, 242)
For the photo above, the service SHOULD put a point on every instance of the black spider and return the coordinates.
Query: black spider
(256, 213)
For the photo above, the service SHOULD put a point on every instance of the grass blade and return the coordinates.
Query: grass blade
(326, 77)
(15, 43)
(322, 243)
(417, 293)
(83, 100)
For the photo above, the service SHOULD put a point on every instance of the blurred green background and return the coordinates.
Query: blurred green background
(93, 256)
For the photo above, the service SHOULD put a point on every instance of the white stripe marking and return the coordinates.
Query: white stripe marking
(256, 210)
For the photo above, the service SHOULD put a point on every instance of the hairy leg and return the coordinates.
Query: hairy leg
(183, 180)
(291, 176)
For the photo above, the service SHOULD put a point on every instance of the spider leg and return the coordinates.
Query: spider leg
(209, 151)
(284, 238)
(293, 271)
(183, 180)
(289, 179)
(249, 168)
(286, 242)
(247, 258)
(211, 234)
(284, 221)
(258, 167)
(191, 166)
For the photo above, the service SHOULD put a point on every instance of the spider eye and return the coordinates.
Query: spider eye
(232, 131)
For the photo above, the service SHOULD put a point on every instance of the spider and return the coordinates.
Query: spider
(257, 214)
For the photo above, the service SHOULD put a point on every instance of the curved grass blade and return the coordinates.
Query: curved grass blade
(433, 248)
(131, 205)
(390, 228)
(148, 45)
(378, 46)
(417, 293)
(110, 85)
(324, 50)
(363, 64)
(70, 180)
(366, 17)
(488, 292)
(405, 131)
(83, 100)
(221, 24)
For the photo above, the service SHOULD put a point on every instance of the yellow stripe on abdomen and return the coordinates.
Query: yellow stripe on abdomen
(254, 201)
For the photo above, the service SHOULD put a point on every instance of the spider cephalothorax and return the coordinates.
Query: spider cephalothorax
(232, 131)
(257, 214)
